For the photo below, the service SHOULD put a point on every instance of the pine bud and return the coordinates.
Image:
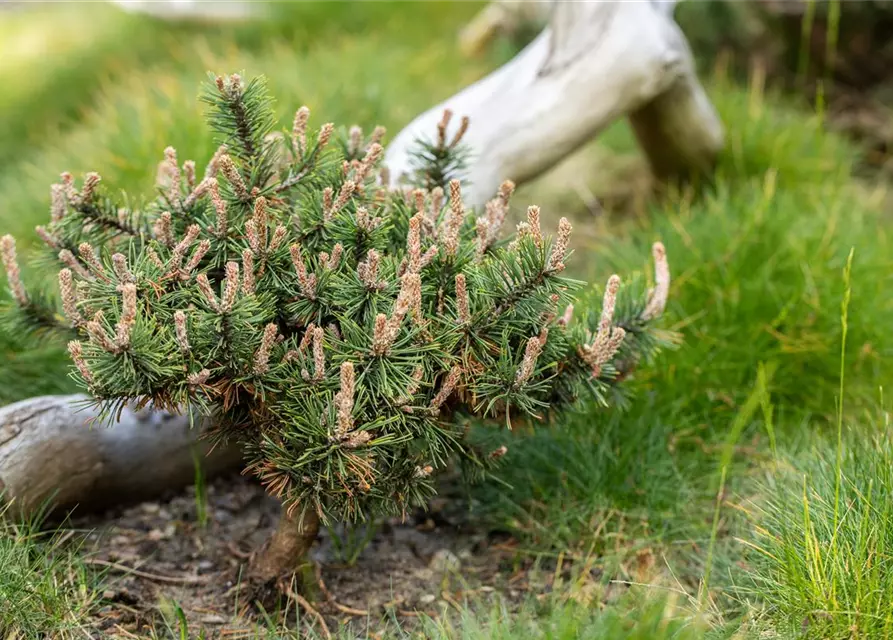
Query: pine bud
(368, 270)
(449, 234)
(180, 331)
(97, 333)
(69, 298)
(446, 389)
(528, 364)
(230, 287)
(559, 248)
(153, 258)
(344, 194)
(67, 258)
(307, 338)
(197, 192)
(75, 349)
(355, 140)
(68, 186)
(377, 135)
(162, 229)
(344, 401)
(325, 133)
(124, 328)
(566, 317)
(463, 128)
(319, 356)
(657, 297)
(279, 234)
(365, 221)
(496, 454)
(260, 226)
(462, 299)
(436, 203)
(203, 247)
(214, 163)
(229, 170)
(609, 303)
(88, 255)
(173, 171)
(306, 282)
(189, 171)
(413, 387)
(180, 249)
(335, 258)
(205, 287)
(357, 439)
(247, 272)
(119, 264)
(58, 203)
(482, 231)
(608, 339)
(91, 181)
(369, 161)
(406, 299)
(299, 133)
(380, 336)
(442, 127)
(13, 274)
(198, 379)
(414, 243)
(428, 256)
(262, 355)
(533, 219)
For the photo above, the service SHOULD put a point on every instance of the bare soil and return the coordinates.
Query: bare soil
(159, 556)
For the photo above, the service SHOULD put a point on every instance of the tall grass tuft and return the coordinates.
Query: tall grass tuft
(819, 579)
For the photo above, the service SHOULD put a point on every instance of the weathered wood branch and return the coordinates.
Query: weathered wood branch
(51, 454)
(595, 63)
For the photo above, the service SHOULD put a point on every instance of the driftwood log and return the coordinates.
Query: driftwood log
(54, 453)
(595, 63)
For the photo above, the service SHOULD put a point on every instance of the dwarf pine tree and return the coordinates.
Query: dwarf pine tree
(334, 325)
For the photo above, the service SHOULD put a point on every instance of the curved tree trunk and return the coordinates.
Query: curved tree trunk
(54, 452)
(285, 553)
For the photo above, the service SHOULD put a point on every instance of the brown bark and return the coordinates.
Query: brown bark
(283, 555)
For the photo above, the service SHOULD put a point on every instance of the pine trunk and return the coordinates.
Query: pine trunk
(283, 555)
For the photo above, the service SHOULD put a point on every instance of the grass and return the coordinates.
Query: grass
(44, 587)
(823, 564)
(716, 486)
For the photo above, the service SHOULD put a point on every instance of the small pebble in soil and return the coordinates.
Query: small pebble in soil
(444, 560)
(428, 598)
(424, 574)
(426, 526)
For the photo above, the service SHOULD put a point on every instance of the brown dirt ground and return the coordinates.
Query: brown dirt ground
(157, 556)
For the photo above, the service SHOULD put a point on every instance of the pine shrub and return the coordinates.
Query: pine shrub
(333, 324)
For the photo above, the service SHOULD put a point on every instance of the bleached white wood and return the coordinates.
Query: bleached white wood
(51, 453)
(596, 62)
(192, 9)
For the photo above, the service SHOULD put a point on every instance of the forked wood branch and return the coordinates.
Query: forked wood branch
(595, 63)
